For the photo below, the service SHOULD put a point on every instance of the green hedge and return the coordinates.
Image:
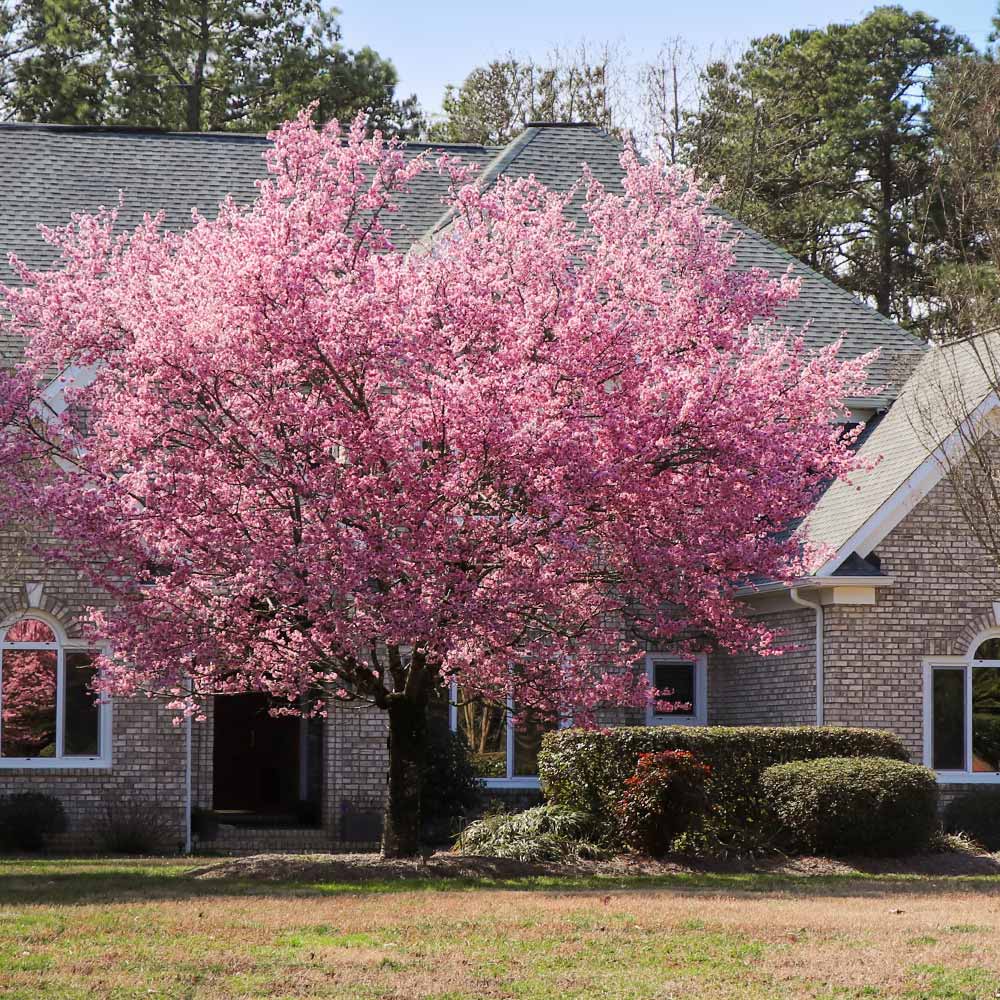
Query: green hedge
(837, 805)
(586, 769)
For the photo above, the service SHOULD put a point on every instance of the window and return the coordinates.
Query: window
(504, 753)
(681, 680)
(49, 716)
(962, 714)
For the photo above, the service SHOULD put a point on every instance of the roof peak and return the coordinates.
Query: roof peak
(547, 124)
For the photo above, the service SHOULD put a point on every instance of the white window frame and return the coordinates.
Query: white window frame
(61, 646)
(965, 664)
(511, 781)
(699, 662)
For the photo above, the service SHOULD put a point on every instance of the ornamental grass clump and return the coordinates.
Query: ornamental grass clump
(544, 833)
(29, 819)
(663, 798)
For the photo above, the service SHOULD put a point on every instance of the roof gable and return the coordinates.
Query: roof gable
(948, 397)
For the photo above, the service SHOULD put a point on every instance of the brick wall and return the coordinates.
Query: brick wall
(147, 750)
(945, 586)
(749, 690)
(357, 760)
(943, 597)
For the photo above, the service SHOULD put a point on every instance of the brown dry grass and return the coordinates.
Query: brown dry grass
(159, 935)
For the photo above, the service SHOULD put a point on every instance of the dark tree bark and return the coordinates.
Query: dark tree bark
(195, 90)
(883, 291)
(407, 754)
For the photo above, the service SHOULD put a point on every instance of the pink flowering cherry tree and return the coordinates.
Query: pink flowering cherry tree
(321, 469)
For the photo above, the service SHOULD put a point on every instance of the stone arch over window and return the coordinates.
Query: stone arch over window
(50, 714)
(973, 633)
(36, 599)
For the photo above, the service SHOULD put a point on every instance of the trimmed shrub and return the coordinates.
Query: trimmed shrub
(450, 788)
(977, 815)
(544, 833)
(28, 819)
(661, 800)
(865, 805)
(586, 770)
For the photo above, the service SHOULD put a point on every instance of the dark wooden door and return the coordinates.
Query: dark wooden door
(255, 757)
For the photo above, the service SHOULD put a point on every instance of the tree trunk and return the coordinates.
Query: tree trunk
(883, 291)
(196, 88)
(407, 753)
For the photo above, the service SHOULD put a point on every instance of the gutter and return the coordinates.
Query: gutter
(812, 582)
(820, 679)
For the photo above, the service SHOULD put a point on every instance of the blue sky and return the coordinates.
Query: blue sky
(434, 42)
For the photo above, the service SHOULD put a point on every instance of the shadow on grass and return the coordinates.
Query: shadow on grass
(76, 882)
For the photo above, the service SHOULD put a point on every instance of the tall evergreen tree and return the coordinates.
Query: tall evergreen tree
(55, 60)
(960, 234)
(195, 65)
(823, 138)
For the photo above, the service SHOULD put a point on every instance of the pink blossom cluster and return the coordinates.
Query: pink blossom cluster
(511, 457)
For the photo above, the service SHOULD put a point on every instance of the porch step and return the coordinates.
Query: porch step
(265, 840)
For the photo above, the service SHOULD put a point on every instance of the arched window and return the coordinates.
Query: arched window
(49, 712)
(988, 649)
(962, 727)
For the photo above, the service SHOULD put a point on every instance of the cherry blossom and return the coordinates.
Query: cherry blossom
(319, 468)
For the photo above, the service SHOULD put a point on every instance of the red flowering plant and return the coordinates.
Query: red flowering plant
(661, 800)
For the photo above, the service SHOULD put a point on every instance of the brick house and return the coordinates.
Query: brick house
(888, 633)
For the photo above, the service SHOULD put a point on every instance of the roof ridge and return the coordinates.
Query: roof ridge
(124, 130)
(504, 158)
(548, 124)
(72, 129)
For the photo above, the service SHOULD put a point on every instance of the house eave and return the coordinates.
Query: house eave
(770, 598)
(814, 583)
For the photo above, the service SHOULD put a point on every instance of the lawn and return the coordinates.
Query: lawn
(118, 929)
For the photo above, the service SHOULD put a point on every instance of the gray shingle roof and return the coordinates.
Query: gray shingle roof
(50, 171)
(947, 385)
(553, 154)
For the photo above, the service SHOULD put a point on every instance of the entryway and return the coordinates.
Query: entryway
(266, 769)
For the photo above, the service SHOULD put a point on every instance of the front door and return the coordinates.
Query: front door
(255, 757)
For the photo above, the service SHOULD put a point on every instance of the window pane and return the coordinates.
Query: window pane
(948, 732)
(676, 681)
(81, 737)
(527, 743)
(989, 650)
(985, 719)
(28, 703)
(29, 630)
(484, 726)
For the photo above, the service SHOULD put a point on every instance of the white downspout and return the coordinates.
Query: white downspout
(820, 681)
(187, 787)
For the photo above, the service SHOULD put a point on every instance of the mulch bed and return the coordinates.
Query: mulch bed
(446, 865)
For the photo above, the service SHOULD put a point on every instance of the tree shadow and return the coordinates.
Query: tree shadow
(86, 882)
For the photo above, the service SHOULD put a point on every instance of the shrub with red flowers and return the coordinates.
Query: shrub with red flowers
(662, 799)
